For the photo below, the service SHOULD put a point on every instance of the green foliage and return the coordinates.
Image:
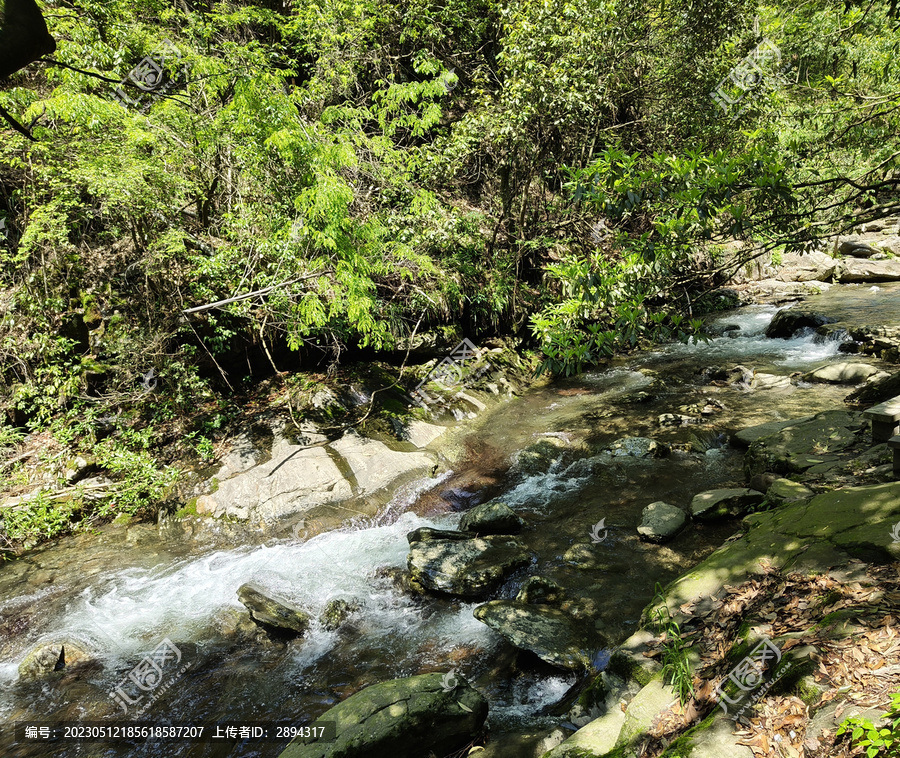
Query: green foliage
(864, 734)
(676, 666)
(373, 168)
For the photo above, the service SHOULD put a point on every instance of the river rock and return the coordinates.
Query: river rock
(296, 478)
(812, 266)
(842, 373)
(876, 391)
(46, 658)
(745, 437)
(402, 718)
(536, 590)
(724, 503)
(336, 612)
(638, 447)
(881, 341)
(272, 613)
(790, 320)
(786, 491)
(463, 566)
(661, 522)
(855, 247)
(586, 555)
(491, 518)
(858, 270)
(808, 442)
(549, 633)
(725, 376)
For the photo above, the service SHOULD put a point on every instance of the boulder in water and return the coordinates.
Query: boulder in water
(47, 658)
(661, 522)
(336, 612)
(789, 321)
(423, 715)
(458, 564)
(272, 613)
(491, 518)
(842, 373)
(551, 634)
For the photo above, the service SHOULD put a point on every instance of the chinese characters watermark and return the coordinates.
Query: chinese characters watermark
(760, 64)
(151, 77)
(749, 674)
(147, 677)
(452, 372)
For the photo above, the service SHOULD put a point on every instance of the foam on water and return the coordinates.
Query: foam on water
(527, 696)
(750, 342)
(132, 611)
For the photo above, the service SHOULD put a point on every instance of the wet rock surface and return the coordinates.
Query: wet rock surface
(271, 612)
(49, 658)
(402, 718)
(491, 518)
(456, 563)
(789, 321)
(551, 634)
(661, 521)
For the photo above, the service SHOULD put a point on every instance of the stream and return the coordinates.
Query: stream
(122, 591)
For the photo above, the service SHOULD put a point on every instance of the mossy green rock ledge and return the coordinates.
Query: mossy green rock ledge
(402, 718)
(812, 535)
(795, 448)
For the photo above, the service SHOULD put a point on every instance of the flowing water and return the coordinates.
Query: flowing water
(123, 591)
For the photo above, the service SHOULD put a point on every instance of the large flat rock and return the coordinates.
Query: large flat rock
(797, 447)
(745, 437)
(837, 527)
(297, 478)
(861, 270)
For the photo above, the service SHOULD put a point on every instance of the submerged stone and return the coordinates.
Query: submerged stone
(401, 718)
(536, 590)
(638, 447)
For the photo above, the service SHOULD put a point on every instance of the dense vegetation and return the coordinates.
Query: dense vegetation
(555, 171)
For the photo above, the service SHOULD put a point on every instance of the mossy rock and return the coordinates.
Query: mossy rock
(401, 718)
